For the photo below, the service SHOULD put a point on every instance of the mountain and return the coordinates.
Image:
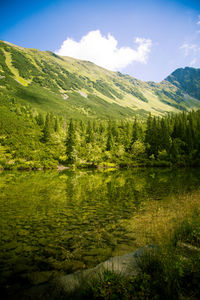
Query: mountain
(80, 89)
(187, 80)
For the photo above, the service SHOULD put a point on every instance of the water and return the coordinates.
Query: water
(54, 222)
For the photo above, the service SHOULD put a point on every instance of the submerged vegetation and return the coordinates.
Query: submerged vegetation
(164, 273)
(55, 223)
(169, 270)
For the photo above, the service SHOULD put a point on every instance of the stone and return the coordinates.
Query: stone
(125, 265)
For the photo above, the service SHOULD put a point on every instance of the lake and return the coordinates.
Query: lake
(59, 222)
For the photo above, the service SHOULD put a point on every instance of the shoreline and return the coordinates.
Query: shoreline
(104, 166)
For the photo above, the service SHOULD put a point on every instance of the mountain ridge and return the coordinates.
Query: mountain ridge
(187, 79)
(81, 89)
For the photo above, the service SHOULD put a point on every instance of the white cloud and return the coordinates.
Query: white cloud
(193, 62)
(189, 48)
(104, 51)
(191, 53)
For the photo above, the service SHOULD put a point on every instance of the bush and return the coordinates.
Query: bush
(47, 164)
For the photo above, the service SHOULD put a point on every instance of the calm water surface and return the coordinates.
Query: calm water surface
(52, 222)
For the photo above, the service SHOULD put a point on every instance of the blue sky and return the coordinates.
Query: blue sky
(147, 39)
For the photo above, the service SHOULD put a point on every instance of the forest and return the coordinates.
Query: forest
(32, 140)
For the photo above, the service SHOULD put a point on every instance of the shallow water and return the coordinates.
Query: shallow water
(54, 222)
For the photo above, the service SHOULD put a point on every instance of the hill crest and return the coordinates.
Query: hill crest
(81, 89)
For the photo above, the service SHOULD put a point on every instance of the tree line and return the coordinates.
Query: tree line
(172, 139)
(45, 141)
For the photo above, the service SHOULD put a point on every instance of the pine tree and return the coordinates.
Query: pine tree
(89, 133)
(57, 125)
(40, 119)
(114, 130)
(135, 132)
(110, 139)
(148, 132)
(110, 142)
(127, 136)
(164, 136)
(174, 151)
(47, 130)
(70, 143)
(101, 128)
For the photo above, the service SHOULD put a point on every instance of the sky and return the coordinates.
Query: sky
(147, 39)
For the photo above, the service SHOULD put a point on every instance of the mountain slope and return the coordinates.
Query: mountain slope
(187, 79)
(80, 89)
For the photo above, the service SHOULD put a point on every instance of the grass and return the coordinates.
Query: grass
(189, 231)
(110, 95)
(158, 278)
(114, 286)
(158, 223)
(15, 72)
(166, 271)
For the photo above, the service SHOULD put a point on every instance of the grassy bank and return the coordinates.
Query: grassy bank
(171, 270)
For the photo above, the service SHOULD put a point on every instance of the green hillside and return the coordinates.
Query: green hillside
(41, 92)
(80, 89)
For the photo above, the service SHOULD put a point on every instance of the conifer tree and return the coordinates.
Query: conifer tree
(40, 119)
(135, 132)
(82, 126)
(89, 133)
(101, 128)
(114, 130)
(148, 132)
(110, 139)
(110, 142)
(47, 130)
(174, 151)
(70, 143)
(57, 125)
(127, 136)
(164, 136)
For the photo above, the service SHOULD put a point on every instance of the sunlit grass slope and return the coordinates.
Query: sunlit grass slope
(81, 89)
